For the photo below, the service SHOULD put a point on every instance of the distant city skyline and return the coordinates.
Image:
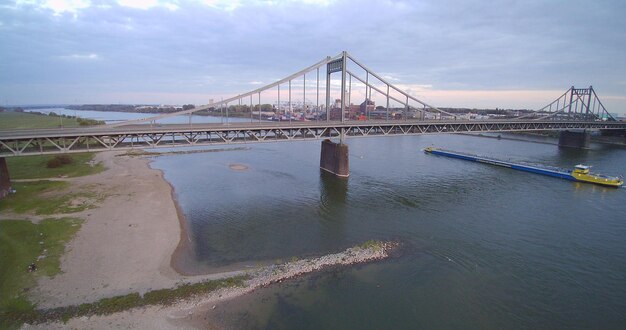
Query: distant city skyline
(505, 54)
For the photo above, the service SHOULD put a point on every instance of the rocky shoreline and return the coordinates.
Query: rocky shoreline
(180, 314)
(351, 256)
(268, 275)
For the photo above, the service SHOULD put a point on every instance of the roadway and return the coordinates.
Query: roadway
(172, 128)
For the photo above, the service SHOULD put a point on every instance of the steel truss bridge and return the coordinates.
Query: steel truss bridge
(576, 109)
(141, 137)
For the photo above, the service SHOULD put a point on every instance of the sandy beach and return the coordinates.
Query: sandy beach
(128, 244)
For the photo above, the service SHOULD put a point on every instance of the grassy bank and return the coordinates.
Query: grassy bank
(26, 120)
(23, 243)
(366, 252)
(43, 198)
(117, 304)
(47, 197)
(36, 167)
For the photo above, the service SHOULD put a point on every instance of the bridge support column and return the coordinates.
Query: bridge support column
(574, 139)
(334, 158)
(5, 181)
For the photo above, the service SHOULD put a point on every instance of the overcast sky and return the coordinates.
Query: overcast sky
(464, 53)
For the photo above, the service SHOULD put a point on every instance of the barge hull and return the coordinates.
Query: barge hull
(519, 167)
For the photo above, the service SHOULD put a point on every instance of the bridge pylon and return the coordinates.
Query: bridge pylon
(574, 139)
(268, 102)
(334, 158)
(574, 104)
(5, 180)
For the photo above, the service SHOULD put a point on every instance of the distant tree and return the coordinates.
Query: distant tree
(89, 122)
(188, 106)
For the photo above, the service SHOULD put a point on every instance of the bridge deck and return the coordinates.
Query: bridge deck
(67, 140)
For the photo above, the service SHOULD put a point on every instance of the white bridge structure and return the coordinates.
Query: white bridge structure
(577, 110)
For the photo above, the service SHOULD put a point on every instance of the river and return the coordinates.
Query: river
(482, 246)
(111, 117)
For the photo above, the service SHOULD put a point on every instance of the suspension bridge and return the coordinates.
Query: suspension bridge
(574, 113)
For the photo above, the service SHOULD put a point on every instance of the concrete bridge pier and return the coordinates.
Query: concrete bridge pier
(574, 139)
(334, 158)
(5, 181)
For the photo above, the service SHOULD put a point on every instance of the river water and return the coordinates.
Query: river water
(111, 117)
(482, 246)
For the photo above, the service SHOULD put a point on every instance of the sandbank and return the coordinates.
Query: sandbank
(126, 244)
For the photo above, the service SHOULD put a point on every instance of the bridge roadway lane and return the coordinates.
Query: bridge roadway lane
(171, 128)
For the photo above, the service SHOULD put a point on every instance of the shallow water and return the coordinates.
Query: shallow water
(483, 246)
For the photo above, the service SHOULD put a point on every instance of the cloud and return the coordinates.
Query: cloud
(74, 6)
(80, 57)
(169, 47)
(57, 6)
(148, 4)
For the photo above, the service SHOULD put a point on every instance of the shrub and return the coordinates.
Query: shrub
(59, 161)
(89, 122)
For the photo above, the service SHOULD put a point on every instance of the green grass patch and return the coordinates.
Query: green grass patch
(28, 196)
(372, 244)
(43, 198)
(25, 120)
(121, 303)
(36, 167)
(169, 296)
(23, 243)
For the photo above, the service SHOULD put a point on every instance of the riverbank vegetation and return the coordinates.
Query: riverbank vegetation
(30, 120)
(48, 198)
(28, 250)
(24, 312)
(106, 306)
(38, 167)
(238, 285)
(44, 197)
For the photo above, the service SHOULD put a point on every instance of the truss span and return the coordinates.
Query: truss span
(21, 143)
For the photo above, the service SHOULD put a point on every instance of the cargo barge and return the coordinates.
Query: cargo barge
(581, 173)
